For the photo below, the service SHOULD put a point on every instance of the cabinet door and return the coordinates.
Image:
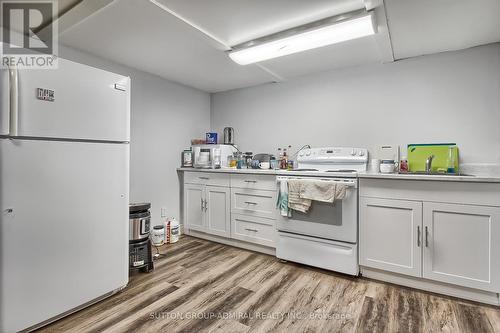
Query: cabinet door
(462, 245)
(390, 235)
(194, 196)
(217, 213)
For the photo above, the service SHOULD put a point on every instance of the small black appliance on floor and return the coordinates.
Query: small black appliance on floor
(140, 253)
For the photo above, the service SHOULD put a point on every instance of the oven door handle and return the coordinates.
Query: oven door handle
(348, 183)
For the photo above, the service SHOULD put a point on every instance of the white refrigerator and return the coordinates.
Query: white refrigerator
(64, 191)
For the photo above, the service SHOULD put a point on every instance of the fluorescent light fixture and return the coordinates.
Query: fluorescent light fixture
(336, 32)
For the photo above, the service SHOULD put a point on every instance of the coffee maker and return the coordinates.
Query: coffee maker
(212, 156)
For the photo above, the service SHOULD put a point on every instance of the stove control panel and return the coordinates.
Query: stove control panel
(333, 158)
(333, 152)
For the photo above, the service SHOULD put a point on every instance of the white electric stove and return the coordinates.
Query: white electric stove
(327, 235)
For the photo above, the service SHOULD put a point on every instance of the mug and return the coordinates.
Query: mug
(275, 164)
(255, 164)
(388, 166)
(264, 165)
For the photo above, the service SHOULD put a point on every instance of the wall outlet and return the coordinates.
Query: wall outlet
(164, 212)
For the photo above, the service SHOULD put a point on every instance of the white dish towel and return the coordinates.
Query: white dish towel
(295, 201)
(282, 202)
(322, 190)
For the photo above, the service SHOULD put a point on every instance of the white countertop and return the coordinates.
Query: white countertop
(409, 176)
(475, 179)
(269, 172)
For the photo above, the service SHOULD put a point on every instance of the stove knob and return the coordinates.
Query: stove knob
(301, 154)
(353, 152)
(361, 153)
(308, 152)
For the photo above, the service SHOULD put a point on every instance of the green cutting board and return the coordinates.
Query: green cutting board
(418, 154)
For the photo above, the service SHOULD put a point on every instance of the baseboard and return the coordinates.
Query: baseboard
(232, 242)
(432, 286)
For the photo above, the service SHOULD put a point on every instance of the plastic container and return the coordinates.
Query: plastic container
(187, 158)
(173, 230)
(158, 235)
(388, 166)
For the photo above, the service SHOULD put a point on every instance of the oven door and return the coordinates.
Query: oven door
(337, 221)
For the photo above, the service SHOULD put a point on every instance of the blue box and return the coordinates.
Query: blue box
(212, 138)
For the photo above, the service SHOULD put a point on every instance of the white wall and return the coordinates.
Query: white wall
(448, 97)
(165, 116)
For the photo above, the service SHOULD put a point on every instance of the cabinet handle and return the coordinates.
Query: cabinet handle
(418, 236)
(201, 204)
(250, 203)
(254, 230)
(206, 205)
(250, 181)
(426, 237)
(205, 178)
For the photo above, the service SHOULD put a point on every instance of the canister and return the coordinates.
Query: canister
(158, 235)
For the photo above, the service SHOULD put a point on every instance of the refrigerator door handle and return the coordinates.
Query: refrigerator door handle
(13, 101)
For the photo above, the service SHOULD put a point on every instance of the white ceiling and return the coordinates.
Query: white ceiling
(430, 26)
(169, 42)
(238, 21)
(140, 35)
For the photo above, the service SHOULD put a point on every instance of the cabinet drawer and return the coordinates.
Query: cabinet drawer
(257, 182)
(253, 202)
(206, 178)
(335, 256)
(253, 229)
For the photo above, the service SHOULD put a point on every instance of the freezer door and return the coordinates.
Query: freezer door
(88, 103)
(63, 227)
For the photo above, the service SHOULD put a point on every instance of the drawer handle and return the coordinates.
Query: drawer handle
(250, 181)
(250, 203)
(205, 178)
(254, 230)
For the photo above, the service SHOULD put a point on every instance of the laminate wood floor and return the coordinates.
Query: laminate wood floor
(200, 286)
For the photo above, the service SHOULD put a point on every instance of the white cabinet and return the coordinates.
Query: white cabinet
(217, 210)
(462, 245)
(447, 242)
(389, 235)
(239, 207)
(194, 206)
(207, 209)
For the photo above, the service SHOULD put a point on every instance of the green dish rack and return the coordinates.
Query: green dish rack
(418, 154)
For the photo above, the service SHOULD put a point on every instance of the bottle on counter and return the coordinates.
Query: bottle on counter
(280, 157)
(451, 161)
(216, 159)
(403, 164)
(239, 160)
(248, 157)
(289, 162)
(284, 160)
